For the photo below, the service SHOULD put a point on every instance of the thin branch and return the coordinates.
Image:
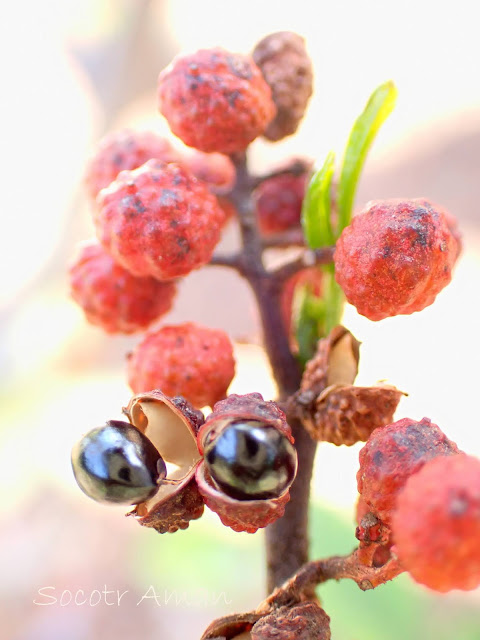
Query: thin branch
(309, 258)
(290, 238)
(233, 261)
(295, 168)
(334, 568)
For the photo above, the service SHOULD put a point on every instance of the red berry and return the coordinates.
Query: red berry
(125, 149)
(159, 221)
(391, 455)
(215, 100)
(113, 298)
(436, 525)
(215, 169)
(395, 257)
(278, 202)
(187, 360)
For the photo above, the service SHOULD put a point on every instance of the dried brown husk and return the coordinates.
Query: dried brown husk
(172, 425)
(287, 69)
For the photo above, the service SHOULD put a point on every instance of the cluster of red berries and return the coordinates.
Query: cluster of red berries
(427, 493)
(159, 212)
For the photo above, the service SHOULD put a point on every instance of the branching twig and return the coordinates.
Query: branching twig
(295, 168)
(307, 259)
(333, 568)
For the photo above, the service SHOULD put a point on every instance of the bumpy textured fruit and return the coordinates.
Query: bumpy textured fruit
(185, 360)
(215, 169)
(391, 455)
(124, 149)
(117, 463)
(278, 202)
(287, 68)
(395, 257)
(436, 525)
(159, 221)
(114, 299)
(215, 100)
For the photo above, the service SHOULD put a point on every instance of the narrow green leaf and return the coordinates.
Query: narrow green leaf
(316, 208)
(308, 315)
(379, 107)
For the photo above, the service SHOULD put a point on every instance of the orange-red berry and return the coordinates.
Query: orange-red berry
(187, 360)
(215, 169)
(278, 202)
(436, 525)
(125, 149)
(215, 100)
(159, 221)
(395, 257)
(391, 455)
(114, 299)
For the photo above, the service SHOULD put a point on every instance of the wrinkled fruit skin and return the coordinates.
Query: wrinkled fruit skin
(215, 100)
(304, 621)
(278, 202)
(395, 257)
(121, 150)
(111, 297)
(436, 525)
(391, 455)
(158, 221)
(215, 169)
(185, 360)
(287, 68)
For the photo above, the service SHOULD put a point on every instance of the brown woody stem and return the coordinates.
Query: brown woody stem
(287, 538)
(301, 585)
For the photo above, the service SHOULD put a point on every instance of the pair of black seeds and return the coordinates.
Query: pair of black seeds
(247, 461)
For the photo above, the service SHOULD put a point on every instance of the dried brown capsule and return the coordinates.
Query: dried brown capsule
(331, 408)
(171, 424)
(234, 626)
(335, 363)
(304, 621)
(249, 462)
(347, 414)
(287, 68)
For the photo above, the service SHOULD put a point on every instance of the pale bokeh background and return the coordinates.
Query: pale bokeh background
(73, 69)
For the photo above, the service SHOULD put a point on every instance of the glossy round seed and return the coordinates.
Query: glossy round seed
(117, 463)
(251, 461)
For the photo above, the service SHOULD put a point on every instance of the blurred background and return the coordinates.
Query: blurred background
(73, 70)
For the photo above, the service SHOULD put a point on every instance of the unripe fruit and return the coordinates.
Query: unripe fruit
(391, 455)
(113, 298)
(215, 100)
(395, 257)
(436, 525)
(158, 221)
(187, 360)
(117, 463)
(251, 461)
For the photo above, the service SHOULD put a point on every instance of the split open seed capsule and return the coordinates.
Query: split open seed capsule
(251, 461)
(117, 463)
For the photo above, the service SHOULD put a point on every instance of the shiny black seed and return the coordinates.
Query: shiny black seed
(117, 463)
(251, 461)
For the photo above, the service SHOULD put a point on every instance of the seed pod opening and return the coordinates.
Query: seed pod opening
(171, 424)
